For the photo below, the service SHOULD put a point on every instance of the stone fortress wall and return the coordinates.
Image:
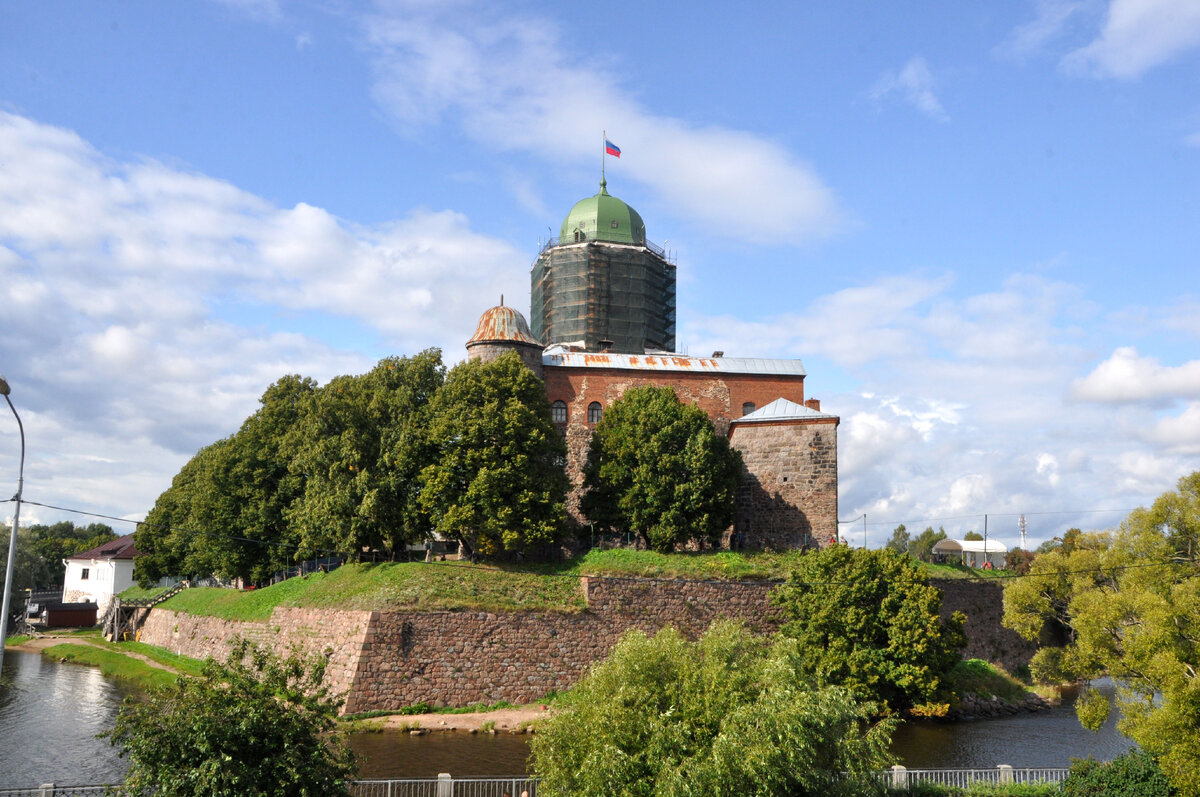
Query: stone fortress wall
(389, 660)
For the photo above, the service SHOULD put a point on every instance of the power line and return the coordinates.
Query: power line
(945, 518)
(996, 577)
(214, 534)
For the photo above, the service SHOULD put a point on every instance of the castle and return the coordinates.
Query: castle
(603, 310)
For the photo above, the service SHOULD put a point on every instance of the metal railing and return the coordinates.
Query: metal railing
(550, 243)
(897, 777)
(900, 777)
(441, 786)
(446, 786)
(50, 790)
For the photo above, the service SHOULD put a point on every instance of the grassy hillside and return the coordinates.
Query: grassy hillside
(540, 587)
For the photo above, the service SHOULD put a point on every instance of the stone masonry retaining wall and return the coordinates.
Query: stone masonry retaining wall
(388, 660)
(338, 635)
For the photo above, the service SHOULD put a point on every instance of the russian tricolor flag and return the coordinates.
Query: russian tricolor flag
(611, 149)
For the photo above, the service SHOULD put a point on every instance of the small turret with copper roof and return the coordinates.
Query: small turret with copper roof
(503, 329)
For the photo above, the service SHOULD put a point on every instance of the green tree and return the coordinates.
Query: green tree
(1126, 604)
(657, 468)
(255, 725)
(869, 620)
(973, 535)
(359, 446)
(1066, 541)
(41, 549)
(28, 567)
(224, 511)
(900, 540)
(729, 714)
(495, 480)
(922, 547)
(1018, 561)
(1132, 774)
(166, 537)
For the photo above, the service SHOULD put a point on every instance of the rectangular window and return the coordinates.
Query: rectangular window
(83, 576)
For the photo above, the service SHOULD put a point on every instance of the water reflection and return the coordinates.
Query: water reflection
(50, 714)
(1046, 739)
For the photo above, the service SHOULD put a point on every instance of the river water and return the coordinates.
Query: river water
(50, 714)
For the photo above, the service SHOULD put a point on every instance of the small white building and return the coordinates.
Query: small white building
(99, 574)
(973, 553)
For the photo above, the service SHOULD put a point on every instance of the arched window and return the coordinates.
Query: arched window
(558, 411)
(595, 412)
(748, 408)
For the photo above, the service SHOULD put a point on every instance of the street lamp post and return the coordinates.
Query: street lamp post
(12, 539)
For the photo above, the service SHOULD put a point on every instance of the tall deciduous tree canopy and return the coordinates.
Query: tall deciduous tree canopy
(657, 468)
(41, 549)
(729, 714)
(870, 620)
(900, 539)
(224, 511)
(922, 547)
(1126, 604)
(359, 446)
(316, 470)
(254, 725)
(495, 478)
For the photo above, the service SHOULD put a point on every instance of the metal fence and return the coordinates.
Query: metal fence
(900, 777)
(50, 790)
(446, 786)
(442, 786)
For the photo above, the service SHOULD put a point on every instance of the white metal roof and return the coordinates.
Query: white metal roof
(970, 546)
(559, 356)
(782, 409)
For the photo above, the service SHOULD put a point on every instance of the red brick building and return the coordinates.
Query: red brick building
(788, 498)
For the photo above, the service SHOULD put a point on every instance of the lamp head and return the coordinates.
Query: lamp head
(4, 391)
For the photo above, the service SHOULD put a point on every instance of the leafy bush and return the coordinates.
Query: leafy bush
(254, 725)
(729, 714)
(870, 621)
(1134, 774)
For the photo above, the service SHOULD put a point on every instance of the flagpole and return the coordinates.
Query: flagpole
(603, 153)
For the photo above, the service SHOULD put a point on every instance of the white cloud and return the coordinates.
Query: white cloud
(1126, 377)
(961, 405)
(1139, 35)
(1049, 22)
(914, 84)
(122, 284)
(1180, 433)
(512, 86)
(1047, 467)
(1185, 315)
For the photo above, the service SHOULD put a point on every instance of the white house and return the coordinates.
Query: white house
(973, 553)
(100, 573)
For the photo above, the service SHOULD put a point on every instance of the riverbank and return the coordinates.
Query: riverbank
(520, 719)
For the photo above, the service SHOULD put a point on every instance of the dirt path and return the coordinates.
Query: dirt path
(505, 720)
(40, 643)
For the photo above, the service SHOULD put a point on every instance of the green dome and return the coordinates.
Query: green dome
(603, 218)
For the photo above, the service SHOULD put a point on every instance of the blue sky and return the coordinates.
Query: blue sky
(974, 222)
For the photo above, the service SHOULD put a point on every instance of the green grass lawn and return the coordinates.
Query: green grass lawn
(136, 593)
(529, 587)
(113, 664)
(978, 677)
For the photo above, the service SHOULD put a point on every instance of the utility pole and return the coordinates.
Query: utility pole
(12, 540)
(864, 531)
(985, 557)
(1024, 547)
